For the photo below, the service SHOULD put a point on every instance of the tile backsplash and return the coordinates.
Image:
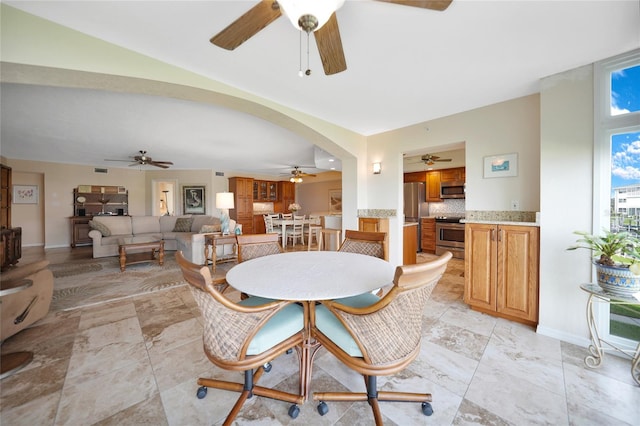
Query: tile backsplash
(447, 207)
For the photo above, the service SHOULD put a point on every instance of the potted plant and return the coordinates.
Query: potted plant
(616, 258)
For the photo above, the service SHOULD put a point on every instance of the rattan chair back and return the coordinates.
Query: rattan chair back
(251, 246)
(369, 243)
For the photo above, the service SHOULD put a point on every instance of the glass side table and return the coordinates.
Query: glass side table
(598, 295)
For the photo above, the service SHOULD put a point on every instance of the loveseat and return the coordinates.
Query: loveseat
(185, 233)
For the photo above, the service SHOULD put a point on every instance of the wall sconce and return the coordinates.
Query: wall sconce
(377, 168)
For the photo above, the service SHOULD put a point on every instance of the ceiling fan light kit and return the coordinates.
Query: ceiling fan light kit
(317, 16)
(309, 15)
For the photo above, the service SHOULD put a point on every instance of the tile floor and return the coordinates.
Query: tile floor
(136, 362)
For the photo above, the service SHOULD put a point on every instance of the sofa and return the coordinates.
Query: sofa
(184, 233)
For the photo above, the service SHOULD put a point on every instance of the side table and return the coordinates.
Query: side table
(214, 240)
(597, 294)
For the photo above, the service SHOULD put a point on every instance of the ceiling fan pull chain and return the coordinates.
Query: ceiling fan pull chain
(308, 71)
(300, 54)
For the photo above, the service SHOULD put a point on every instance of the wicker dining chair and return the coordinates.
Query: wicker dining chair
(243, 336)
(369, 243)
(251, 246)
(379, 338)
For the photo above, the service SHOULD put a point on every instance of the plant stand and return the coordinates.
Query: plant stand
(596, 349)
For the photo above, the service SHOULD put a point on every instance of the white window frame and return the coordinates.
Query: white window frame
(605, 126)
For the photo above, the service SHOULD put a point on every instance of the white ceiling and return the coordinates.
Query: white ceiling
(405, 66)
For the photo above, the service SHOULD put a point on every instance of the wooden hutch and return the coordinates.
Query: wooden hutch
(11, 247)
(94, 200)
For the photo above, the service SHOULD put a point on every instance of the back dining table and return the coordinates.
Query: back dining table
(307, 277)
(283, 223)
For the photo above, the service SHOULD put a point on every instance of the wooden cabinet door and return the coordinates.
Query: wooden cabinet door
(480, 252)
(368, 224)
(5, 197)
(428, 235)
(258, 224)
(415, 177)
(518, 271)
(433, 187)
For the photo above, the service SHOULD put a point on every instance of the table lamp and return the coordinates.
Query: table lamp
(224, 201)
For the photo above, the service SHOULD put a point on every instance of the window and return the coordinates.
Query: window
(617, 172)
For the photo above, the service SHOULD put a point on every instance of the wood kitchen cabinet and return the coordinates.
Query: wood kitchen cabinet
(265, 190)
(287, 195)
(415, 177)
(410, 244)
(433, 187)
(501, 270)
(376, 224)
(242, 189)
(428, 235)
(436, 177)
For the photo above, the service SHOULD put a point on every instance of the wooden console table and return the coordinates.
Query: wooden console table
(214, 240)
(594, 360)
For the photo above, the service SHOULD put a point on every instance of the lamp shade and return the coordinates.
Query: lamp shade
(320, 9)
(224, 200)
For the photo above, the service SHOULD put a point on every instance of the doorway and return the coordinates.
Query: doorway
(163, 198)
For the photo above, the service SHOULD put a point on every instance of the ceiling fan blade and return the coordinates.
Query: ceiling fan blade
(249, 24)
(439, 5)
(444, 159)
(330, 47)
(107, 159)
(162, 164)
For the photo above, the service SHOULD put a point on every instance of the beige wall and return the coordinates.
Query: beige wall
(566, 170)
(313, 197)
(30, 217)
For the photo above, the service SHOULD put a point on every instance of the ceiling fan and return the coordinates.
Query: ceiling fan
(429, 159)
(297, 174)
(143, 159)
(309, 16)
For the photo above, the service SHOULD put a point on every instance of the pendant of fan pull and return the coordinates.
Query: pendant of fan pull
(309, 16)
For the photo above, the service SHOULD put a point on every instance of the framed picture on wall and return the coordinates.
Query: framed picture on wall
(193, 199)
(335, 201)
(25, 194)
(505, 165)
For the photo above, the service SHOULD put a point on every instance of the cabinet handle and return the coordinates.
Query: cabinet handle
(493, 237)
(500, 236)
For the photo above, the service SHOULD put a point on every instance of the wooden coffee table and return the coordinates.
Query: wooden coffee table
(139, 250)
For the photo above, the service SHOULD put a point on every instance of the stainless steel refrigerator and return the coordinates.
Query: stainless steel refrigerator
(415, 206)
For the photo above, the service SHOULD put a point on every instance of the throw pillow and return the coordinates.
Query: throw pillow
(104, 230)
(183, 224)
(209, 229)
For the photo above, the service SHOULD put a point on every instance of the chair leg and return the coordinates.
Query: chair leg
(374, 397)
(247, 390)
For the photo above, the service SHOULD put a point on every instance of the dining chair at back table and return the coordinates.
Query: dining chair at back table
(297, 230)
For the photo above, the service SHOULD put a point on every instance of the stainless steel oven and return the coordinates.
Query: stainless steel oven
(450, 236)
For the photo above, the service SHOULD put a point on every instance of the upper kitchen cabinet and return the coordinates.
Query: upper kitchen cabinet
(436, 177)
(264, 190)
(415, 177)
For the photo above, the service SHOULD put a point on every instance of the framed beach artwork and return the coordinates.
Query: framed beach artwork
(25, 194)
(335, 201)
(505, 165)
(193, 199)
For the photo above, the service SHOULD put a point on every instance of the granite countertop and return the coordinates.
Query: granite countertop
(500, 222)
(410, 224)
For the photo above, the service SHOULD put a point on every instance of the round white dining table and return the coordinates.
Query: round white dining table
(308, 276)
(311, 275)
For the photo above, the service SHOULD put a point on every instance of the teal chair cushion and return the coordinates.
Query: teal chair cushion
(331, 326)
(287, 322)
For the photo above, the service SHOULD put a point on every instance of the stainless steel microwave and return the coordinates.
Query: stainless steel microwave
(452, 189)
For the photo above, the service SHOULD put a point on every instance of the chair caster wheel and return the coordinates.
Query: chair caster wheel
(202, 392)
(267, 367)
(323, 408)
(427, 409)
(294, 411)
